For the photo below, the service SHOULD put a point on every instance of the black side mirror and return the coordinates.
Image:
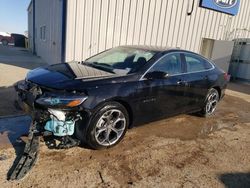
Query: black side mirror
(156, 75)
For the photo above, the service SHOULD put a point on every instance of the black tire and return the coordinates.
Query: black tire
(90, 136)
(212, 97)
(4, 42)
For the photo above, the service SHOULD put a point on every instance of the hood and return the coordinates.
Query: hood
(65, 75)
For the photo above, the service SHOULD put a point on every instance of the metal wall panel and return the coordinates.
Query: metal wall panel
(49, 14)
(96, 25)
(30, 26)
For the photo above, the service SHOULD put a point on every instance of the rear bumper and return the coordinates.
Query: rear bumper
(222, 93)
(223, 89)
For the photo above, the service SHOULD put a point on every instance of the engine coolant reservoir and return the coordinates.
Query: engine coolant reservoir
(58, 126)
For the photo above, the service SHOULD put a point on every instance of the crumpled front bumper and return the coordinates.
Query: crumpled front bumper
(26, 95)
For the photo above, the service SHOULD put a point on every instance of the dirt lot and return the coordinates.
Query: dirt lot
(182, 151)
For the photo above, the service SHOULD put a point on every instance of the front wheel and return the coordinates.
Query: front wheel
(108, 126)
(211, 102)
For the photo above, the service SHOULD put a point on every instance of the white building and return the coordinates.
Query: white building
(65, 30)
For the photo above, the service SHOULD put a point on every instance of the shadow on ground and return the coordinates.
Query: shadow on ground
(235, 180)
(13, 128)
(11, 131)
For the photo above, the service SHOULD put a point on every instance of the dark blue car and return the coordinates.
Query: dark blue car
(97, 100)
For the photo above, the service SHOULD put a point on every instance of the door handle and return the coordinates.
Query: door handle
(205, 77)
(179, 82)
(182, 82)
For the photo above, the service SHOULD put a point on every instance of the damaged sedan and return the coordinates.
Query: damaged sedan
(95, 101)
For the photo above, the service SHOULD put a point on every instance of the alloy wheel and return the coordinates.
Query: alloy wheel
(212, 101)
(110, 127)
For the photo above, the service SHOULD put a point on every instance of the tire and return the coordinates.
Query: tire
(4, 42)
(108, 126)
(211, 102)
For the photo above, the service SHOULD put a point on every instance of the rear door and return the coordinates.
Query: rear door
(197, 76)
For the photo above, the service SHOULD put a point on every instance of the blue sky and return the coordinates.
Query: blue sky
(13, 16)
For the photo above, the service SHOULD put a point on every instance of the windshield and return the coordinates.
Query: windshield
(121, 60)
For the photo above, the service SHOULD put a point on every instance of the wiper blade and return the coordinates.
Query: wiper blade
(100, 66)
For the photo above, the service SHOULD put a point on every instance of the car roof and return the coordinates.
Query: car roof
(161, 49)
(150, 48)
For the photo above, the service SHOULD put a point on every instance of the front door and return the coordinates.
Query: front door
(162, 97)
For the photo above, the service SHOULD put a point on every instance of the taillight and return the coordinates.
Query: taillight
(226, 77)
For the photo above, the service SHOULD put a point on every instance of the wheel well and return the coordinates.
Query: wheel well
(129, 110)
(218, 89)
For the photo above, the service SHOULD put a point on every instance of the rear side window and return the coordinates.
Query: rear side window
(195, 63)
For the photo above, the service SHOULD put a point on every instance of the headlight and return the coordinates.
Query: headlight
(61, 100)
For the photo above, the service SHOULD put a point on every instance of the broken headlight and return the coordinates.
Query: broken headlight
(55, 100)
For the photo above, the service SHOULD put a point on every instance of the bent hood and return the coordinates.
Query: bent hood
(65, 75)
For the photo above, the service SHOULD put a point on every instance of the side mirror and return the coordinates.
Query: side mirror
(156, 75)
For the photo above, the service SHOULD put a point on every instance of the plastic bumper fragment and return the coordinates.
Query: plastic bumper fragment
(29, 156)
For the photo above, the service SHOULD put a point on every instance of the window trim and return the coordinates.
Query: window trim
(42, 26)
(166, 56)
(196, 57)
(181, 53)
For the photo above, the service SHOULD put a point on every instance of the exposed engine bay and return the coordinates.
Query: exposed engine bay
(54, 116)
(54, 112)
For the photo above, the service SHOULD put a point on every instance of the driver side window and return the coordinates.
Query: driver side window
(170, 64)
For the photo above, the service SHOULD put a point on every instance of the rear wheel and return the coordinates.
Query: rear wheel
(212, 100)
(108, 126)
(4, 42)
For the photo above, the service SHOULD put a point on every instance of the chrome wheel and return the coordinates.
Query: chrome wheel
(212, 101)
(110, 127)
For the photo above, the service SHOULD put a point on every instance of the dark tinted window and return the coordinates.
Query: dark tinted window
(170, 64)
(195, 63)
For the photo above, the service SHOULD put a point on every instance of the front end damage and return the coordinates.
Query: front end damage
(54, 116)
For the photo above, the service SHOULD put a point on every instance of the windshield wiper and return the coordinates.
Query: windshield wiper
(100, 66)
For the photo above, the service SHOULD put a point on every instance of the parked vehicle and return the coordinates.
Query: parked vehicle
(97, 100)
(19, 40)
(6, 38)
